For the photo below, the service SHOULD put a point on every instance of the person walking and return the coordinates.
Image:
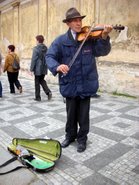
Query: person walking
(12, 74)
(39, 68)
(0, 74)
(80, 81)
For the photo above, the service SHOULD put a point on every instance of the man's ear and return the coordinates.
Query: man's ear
(67, 23)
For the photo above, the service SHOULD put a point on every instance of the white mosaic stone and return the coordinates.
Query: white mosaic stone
(6, 104)
(97, 145)
(134, 112)
(94, 114)
(46, 106)
(5, 139)
(4, 124)
(127, 161)
(16, 113)
(131, 142)
(29, 126)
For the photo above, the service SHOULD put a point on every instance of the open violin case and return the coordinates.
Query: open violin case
(39, 154)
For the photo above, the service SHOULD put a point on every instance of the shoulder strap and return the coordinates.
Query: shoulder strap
(8, 162)
(13, 56)
(14, 169)
(41, 52)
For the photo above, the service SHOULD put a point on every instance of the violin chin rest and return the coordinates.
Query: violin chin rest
(81, 36)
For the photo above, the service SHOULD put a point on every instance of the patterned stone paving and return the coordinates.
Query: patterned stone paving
(112, 154)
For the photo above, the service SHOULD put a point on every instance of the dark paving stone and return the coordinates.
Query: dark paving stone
(58, 117)
(99, 109)
(53, 105)
(97, 179)
(136, 169)
(104, 158)
(17, 101)
(7, 108)
(22, 120)
(111, 104)
(37, 109)
(14, 132)
(15, 113)
(126, 109)
(108, 134)
(57, 133)
(100, 118)
(1, 120)
(40, 125)
(121, 125)
(136, 136)
(66, 163)
(60, 110)
(125, 100)
(129, 117)
(96, 100)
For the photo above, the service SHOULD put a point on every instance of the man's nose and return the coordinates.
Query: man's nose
(79, 22)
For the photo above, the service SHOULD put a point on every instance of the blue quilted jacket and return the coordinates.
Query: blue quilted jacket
(82, 78)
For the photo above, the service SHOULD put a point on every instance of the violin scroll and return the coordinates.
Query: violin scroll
(118, 27)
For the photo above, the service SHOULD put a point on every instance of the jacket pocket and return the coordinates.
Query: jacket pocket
(67, 86)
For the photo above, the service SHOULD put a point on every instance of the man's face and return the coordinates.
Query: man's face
(75, 24)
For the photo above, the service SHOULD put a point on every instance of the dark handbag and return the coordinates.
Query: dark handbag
(15, 65)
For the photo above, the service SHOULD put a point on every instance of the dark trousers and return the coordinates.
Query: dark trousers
(13, 80)
(77, 125)
(39, 80)
(0, 89)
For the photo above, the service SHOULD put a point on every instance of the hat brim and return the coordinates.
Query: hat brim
(66, 20)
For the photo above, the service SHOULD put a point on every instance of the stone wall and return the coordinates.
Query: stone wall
(119, 77)
(22, 20)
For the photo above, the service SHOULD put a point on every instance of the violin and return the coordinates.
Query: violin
(89, 32)
(95, 32)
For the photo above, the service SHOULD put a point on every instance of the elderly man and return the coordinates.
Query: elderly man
(80, 81)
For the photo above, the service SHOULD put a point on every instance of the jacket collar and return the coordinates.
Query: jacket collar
(69, 40)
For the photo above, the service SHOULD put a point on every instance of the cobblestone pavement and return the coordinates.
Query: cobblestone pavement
(112, 154)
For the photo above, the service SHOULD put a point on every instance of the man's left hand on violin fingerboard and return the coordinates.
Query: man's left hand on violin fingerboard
(106, 31)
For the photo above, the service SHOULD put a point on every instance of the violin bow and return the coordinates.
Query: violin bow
(79, 49)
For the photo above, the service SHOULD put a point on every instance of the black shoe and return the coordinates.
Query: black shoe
(66, 143)
(49, 96)
(95, 96)
(20, 90)
(37, 99)
(81, 147)
(64, 100)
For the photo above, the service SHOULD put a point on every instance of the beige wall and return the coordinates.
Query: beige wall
(126, 44)
(22, 20)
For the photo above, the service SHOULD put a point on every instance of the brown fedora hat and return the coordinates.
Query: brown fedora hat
(72, 13)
